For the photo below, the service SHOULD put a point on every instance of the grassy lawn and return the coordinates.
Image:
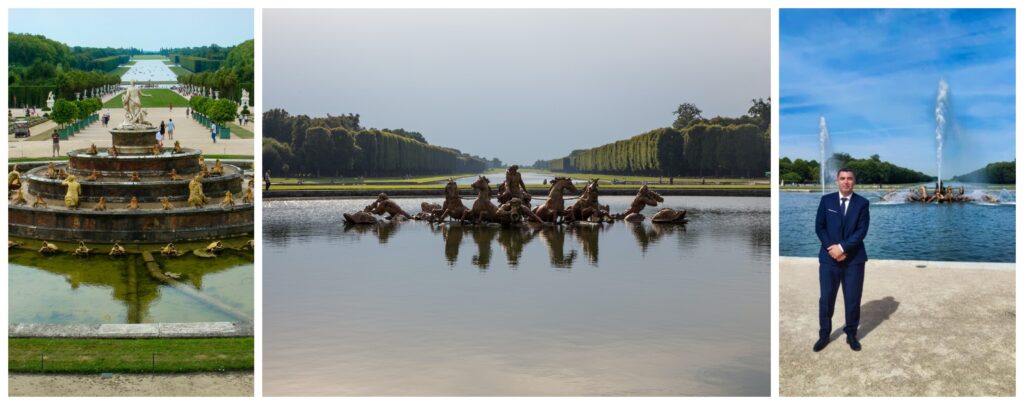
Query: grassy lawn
(149, 57)
(120, 71)
(328, 180)
(178, 70)
(159, 98)
(168, 62)
(240, 132)
(35, 355)
(41, 136)
(649, 179)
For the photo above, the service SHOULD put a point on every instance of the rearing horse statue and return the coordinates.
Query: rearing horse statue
(453, 206)
(483, 209)
(587, 206)
(554, 207)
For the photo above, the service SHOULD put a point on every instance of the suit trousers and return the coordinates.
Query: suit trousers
(832, 276)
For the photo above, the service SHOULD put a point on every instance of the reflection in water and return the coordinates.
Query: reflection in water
(513, 239)
(39, 299)
(438, 309)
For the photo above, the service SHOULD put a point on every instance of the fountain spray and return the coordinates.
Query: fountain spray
(825, 147)
(941, 111)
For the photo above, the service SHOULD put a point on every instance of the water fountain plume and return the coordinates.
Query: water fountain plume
(825, 148)
(941, 113)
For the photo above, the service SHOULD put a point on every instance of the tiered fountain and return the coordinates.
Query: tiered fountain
(135, 168)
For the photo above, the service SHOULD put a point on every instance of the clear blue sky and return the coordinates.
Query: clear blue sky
(148, 29)
(874, 75)
(519, 85)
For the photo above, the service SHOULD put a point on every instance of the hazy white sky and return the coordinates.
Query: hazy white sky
(519, 85)
(147, 29)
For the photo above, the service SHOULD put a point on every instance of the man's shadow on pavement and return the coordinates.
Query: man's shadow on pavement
(872, 314)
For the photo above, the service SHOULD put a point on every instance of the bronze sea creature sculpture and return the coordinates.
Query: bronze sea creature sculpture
(101, 205)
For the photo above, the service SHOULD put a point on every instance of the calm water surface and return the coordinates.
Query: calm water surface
(64, 289)
(968, 232)
(415, 309)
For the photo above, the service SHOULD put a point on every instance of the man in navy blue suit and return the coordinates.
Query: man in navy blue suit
(841, 225)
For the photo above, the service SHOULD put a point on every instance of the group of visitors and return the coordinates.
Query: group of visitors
(167, 129)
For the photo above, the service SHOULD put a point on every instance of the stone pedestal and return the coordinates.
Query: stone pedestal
(134, 141)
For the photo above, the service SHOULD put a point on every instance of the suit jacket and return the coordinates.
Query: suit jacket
(848, 232)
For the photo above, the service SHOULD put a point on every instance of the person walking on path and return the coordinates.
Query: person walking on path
(56, 143)
(160, 134)
(841, 224)
(213, 132)
(170, 128)
(266, 179)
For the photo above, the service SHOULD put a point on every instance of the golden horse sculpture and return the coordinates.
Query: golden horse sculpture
(553, 210)
(483, 209)
(587, 207)
(453, 206)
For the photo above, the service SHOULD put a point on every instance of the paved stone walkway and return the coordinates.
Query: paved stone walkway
(132, 330)
(927, 329)
(188, 131)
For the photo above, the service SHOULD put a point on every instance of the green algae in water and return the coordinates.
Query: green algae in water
(65, 289)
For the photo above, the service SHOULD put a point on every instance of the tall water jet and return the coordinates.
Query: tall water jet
(825, 147)
(941, 112)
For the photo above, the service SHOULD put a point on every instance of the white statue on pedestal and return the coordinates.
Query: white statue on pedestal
(49, 101)
(245, 97)
(134, 115)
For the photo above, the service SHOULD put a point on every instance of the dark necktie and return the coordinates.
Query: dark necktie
(843, 206)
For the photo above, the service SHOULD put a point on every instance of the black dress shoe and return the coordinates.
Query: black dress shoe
(853, 342)
(820, 344)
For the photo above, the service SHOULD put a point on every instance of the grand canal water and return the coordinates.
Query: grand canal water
(969, 232)
(414, 309)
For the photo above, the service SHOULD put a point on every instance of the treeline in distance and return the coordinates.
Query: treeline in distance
(693, 146)
(338, 146)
